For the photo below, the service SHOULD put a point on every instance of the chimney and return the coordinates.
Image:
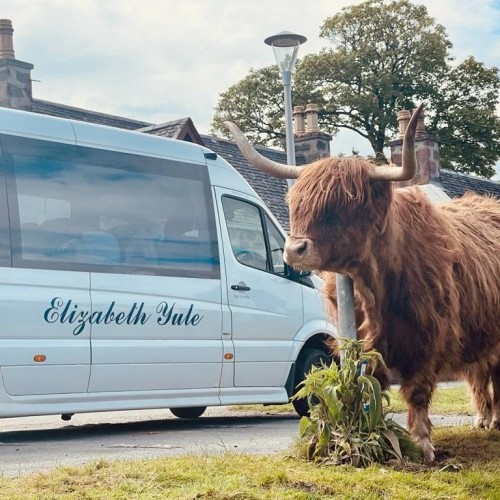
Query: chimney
(426, 151)
(310, 142)
(15, 76)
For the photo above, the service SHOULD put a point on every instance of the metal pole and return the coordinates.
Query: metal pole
(345, 303)
(290, 143)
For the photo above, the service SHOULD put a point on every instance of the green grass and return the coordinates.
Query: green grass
(453, 400)
(467, 467)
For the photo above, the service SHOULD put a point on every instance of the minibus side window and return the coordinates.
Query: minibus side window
(246, 234)
(79, 208)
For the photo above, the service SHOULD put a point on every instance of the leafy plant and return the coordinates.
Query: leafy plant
(347, 423)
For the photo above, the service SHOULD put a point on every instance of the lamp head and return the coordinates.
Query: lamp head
(286, 47)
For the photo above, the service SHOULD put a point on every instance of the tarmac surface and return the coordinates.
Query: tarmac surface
(39, 444)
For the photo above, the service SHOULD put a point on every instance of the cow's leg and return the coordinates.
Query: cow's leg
(495, 382)
(417, 392)
(478, 378)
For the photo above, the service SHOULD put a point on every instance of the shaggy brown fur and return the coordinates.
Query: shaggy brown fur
(426, 276)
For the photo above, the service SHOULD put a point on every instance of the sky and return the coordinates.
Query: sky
(161, 60)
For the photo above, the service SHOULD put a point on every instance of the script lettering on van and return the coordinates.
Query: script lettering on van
(61, 311)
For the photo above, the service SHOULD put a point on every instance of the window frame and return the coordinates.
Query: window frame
(5, 234)
(263, 216)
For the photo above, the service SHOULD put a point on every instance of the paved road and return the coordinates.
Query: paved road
(33, 444)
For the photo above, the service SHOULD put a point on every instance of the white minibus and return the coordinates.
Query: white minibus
(142, 272)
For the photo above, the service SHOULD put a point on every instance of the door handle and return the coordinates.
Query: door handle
(241, 287)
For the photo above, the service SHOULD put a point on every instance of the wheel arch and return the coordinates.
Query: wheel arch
(319, 340)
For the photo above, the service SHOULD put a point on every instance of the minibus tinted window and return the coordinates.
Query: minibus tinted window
(246, 233)
(82, 208)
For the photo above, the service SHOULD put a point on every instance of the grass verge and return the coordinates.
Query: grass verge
(452, 400)
(467, 467)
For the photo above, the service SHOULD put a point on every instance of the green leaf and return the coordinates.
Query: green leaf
(304, 426)
(394, 442)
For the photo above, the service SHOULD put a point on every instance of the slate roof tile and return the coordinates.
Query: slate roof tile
(457, 184)
(170, 130)
(84, 115)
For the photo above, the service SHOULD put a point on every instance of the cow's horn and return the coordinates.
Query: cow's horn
(257, 160)
(409, 163)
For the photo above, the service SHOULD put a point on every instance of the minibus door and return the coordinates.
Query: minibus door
(266, 307)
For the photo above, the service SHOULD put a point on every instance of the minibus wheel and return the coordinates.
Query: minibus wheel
(306, 360)
(191, 412)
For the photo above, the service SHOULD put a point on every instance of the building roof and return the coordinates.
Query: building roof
(84, 115)
(182, 129)
(271, 190)
(457, 184)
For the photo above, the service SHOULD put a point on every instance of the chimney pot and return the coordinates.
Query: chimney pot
(298, 118)
(426, 151)
(420, 124)
(403, 119)
(312, 118)
(6, 39)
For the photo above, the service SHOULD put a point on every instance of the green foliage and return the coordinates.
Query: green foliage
(347, 422)
(465, 119)
(385, 55)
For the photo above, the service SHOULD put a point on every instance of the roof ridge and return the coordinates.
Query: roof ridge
(90, 112)
(469, 176)
(170, 123)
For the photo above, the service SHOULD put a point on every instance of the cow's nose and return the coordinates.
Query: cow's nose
(295, 250)
(298, 248)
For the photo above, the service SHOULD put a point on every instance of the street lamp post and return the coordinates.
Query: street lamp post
(286, 47)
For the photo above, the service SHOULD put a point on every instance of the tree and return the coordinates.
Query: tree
(465, 119)
(256, 104)
(386, 55)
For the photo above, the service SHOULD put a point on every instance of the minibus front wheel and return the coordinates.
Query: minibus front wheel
(306, 360)
(190, 412)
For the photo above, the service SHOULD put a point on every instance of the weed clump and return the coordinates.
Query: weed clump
(348, 422)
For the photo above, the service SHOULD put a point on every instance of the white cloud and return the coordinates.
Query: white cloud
(159, 60)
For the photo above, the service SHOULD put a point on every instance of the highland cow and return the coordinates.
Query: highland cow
(426, 275)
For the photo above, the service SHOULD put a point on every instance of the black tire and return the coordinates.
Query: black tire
(306, 360)
(192, 412)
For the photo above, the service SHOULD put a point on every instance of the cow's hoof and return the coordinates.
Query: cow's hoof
(482, 422)
(428, 450)
(495, 423)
